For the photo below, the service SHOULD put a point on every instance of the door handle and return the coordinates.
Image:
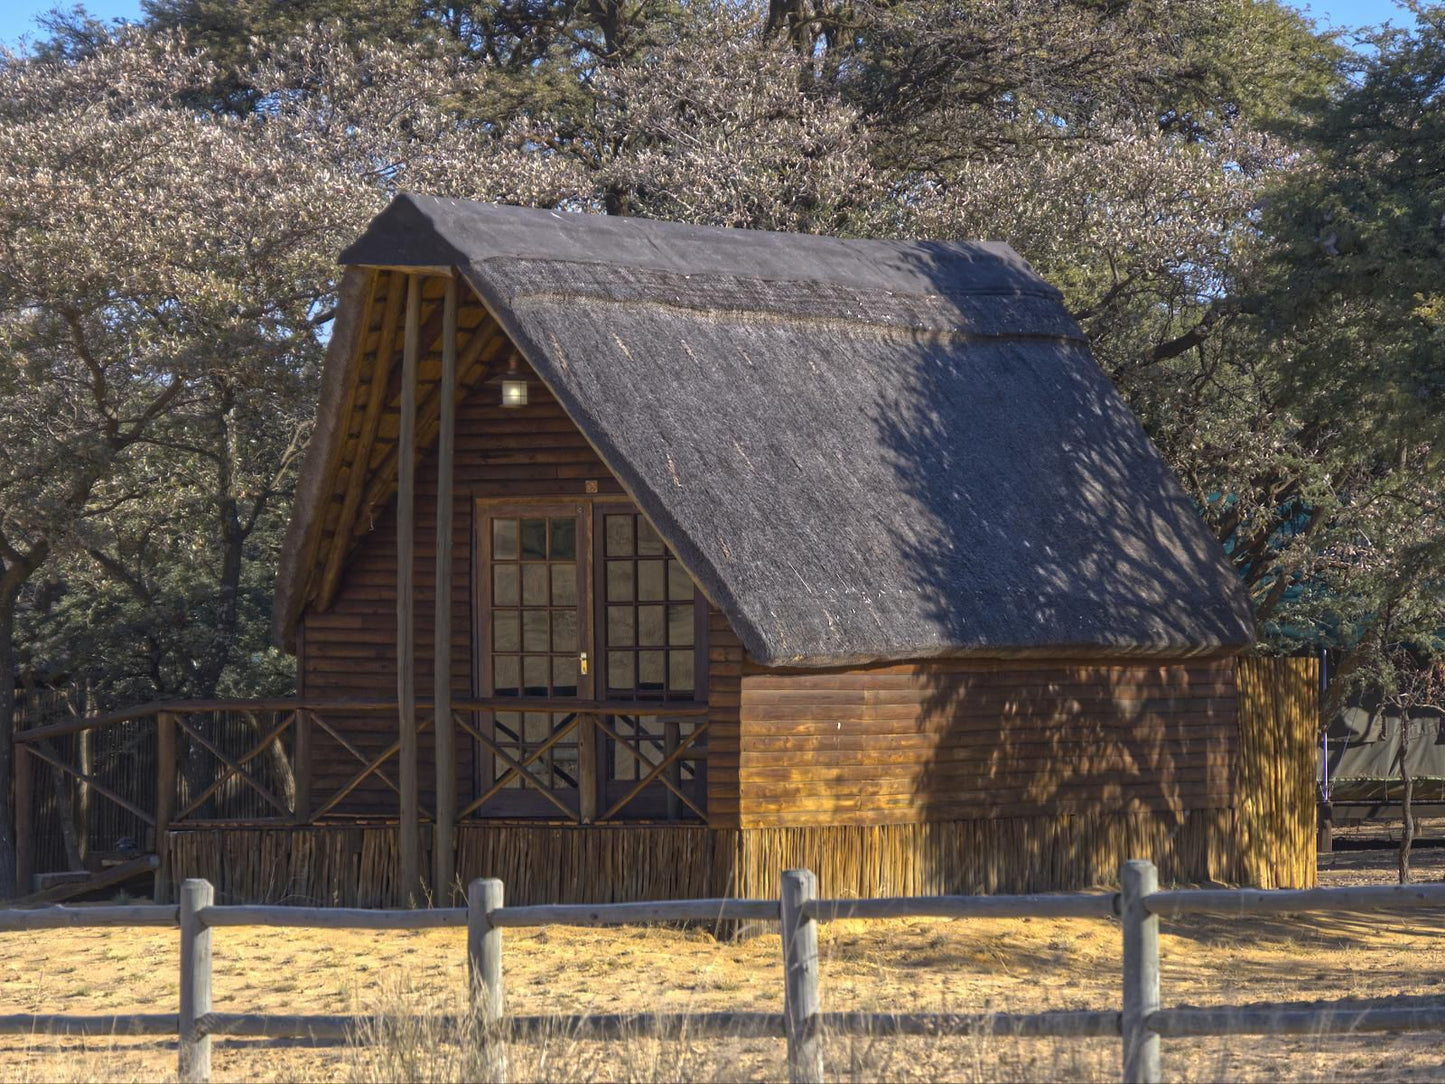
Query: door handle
(582, 660)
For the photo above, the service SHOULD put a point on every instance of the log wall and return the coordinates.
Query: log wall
(948, 740)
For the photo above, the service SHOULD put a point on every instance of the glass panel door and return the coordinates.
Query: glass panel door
(651, 624)
(532, 643)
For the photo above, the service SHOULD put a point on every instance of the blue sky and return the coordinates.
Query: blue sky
(17, 17)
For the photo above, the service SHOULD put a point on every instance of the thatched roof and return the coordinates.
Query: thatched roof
(862, 450)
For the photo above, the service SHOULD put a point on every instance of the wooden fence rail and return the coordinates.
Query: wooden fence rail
(1140, 1025)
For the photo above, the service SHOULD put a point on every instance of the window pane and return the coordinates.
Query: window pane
(619, 670)
(564, 675)
(619, 581)
(651, 628)
(504, 539)
(534, 585)
(535, 671)
(649, 580)
(506, 674)
(679, 626)
(619, 536)
(620, 626)
(679, 583)
(648, 544)
(564, 631)
(504, 585)
(564, 585)
(651, 667)
(538, 727)
(534, 539)
(679, 670)
(535, 635)
(564, 760)
(506, 631)
(564, 540)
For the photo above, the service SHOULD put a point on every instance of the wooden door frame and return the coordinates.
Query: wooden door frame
(588, 510)
(484, 509)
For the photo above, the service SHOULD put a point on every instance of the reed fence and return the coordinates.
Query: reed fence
(1140, 1023)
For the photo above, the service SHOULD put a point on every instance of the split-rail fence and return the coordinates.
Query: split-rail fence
(1140, 1024)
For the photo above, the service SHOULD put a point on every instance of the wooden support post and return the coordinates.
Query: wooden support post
(1139, 879)
(444, 842)
(586, 769)
(410, 823)
(301, 766)
(24, 820)
(671, 735)
(166, 769)
(195, 1048)
(484, 966)
(802, 1004)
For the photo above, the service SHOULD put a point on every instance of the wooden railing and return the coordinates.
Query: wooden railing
(1140, 1022)
(192, 763)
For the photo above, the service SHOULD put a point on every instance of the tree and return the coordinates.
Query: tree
(167, 271)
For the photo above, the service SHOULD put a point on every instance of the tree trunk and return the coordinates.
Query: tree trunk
(232, 537)
(8, 599)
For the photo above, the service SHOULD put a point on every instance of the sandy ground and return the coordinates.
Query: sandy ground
(995, 965)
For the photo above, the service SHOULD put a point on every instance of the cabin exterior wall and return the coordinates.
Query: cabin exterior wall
(349, 651)
(945, 739)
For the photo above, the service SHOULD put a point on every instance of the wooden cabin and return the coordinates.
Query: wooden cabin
(633, 559)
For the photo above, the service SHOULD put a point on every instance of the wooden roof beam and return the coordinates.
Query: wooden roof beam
(356, 477)
(383, 474)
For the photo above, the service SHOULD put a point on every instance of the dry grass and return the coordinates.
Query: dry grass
(983, 965)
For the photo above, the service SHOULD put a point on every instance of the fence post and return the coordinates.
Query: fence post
(24, 821)
(195, 1048)
(165, 801)
(1138, 879)
(484, 967)
(801, 1001)
(484, 947)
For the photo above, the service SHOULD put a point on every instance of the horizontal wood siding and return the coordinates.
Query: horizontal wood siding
(725, 669)
(349, 652)
(950, 740)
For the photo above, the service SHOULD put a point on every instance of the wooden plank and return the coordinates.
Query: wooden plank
(301, 767)
(408, 843)
(194, 1048)
(110, 1026)
(1141, 972)
(802, 1002)
(88, 917)
(24, 797)
(233, 768)
(484, 950)
(587, 765)
(166, 771)
(42, 753)
(311, 546)
(628, 914)
(1364, 898)
(334, 918)
(1063, 905)
(356, 477)
(444, 841)
(1314, 1020)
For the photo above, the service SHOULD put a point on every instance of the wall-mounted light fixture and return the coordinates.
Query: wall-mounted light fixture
(514, 388)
